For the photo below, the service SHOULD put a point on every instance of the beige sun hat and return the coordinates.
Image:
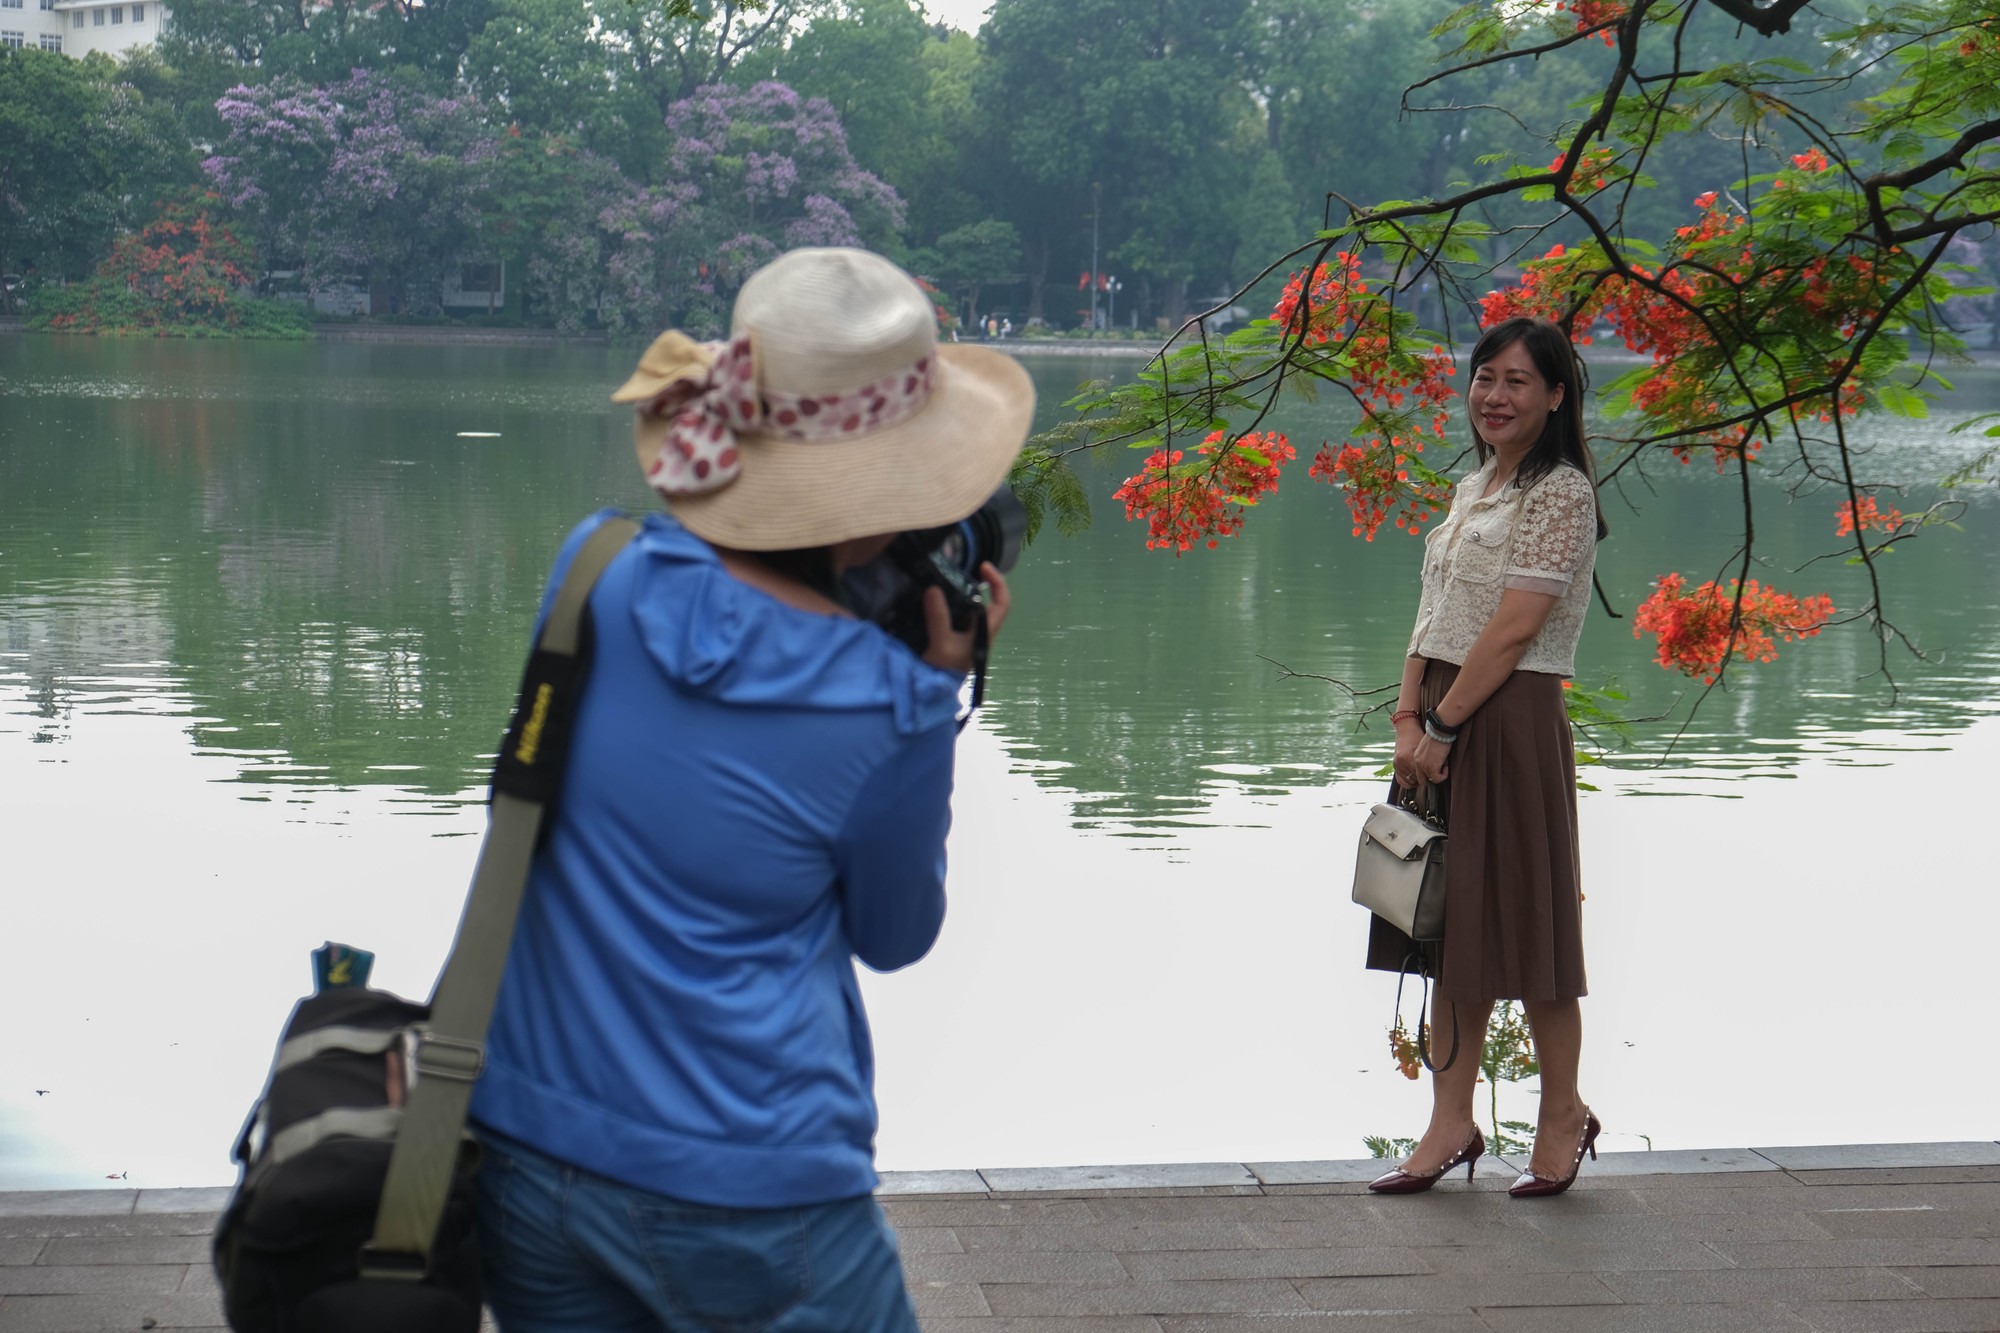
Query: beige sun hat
(831, 412)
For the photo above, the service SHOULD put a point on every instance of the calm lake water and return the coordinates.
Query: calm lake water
(261, 613)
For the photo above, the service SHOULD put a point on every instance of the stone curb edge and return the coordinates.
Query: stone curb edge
(1255, 1177)
(1155, 1178)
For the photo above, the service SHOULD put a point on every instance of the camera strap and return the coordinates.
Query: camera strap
(981, 641)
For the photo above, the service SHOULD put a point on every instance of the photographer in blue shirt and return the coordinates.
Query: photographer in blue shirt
(678, 1102)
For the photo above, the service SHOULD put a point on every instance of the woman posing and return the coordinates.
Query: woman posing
(1482, 737)
(678, 1106)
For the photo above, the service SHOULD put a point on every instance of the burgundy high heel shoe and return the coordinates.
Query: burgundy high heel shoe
(1400, 1181)
(1532, 1186)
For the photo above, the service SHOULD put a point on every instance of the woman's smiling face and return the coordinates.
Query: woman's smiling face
(1509, 400)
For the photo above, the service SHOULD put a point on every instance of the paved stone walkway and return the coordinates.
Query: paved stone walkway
(1868, 1239)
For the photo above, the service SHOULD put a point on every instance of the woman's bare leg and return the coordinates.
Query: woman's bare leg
(1451, 1091)
(1558, 1029)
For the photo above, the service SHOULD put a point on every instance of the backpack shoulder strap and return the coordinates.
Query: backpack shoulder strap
(450, 1051)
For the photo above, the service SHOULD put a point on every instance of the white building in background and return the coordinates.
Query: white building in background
(78, 27)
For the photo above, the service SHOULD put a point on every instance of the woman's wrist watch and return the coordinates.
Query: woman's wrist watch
(1435, 728)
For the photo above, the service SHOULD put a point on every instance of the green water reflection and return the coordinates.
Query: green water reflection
(326, 557)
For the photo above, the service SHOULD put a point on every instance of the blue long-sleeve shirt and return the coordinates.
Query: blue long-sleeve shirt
(755, 796)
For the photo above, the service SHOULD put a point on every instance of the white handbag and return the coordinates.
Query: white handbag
(1399, 871)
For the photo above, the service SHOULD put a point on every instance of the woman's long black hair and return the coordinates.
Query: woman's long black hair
(1563, 440)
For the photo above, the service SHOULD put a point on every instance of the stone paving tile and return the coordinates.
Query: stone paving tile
(81, 1314)
(127, 1250)
(1739, 1286)
(1572, 1256)
(1682, 1198)
(1914, 1175)
(928, 1240)
(21, 1249)
(1089, 1323)
(1348, 1171)
(1211, 1208)
(985, 1212)
(205, 1199)
(1679, 1162)
(1846, 1253)
(1982, 1152)
(1222, 1296)
(1410, 1227)
(948, 1298)
(1109, 1236)
(1015, 1266)
(67, 1203)
(1896, 1194)
(165, 1224)
(903, 1184)
(1082, 1181)
(72, 1280)
(1645, 1319)
(1953, 1283)
(1455, 1291)
(1932, 1316)
(1558, 1225)
(1918, 1223)
(1348, 1261)
(1374, 1321)
(201, 1280)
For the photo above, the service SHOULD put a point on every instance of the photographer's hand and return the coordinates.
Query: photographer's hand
(950, 649)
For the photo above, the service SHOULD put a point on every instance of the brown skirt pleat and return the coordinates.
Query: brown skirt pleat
(1513, 923)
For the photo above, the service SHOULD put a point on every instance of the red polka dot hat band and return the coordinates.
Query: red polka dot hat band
(831, 412)
(701, 451)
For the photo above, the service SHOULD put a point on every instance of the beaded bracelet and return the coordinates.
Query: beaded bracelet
(1435, 728)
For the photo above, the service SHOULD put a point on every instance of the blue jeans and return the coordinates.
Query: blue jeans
(566, 1251)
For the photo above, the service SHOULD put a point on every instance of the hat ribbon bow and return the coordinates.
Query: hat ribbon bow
(701, 452)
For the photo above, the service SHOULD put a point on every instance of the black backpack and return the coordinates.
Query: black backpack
(353, 1204)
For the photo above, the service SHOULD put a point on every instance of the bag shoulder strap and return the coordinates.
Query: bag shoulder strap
(449, 1052)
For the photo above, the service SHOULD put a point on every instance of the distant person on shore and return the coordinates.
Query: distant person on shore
(1483, 739)
(678, 1107)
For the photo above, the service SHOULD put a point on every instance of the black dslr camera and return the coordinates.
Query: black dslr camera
(889, 589)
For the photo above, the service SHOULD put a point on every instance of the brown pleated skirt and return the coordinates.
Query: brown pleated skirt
(1513, 916)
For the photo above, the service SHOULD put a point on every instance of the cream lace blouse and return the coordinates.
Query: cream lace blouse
(1543, 539)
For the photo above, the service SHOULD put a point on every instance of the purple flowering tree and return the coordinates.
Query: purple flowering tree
(365, 177)
(750, 173)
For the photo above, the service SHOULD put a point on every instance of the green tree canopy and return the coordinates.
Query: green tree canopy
(80, 145)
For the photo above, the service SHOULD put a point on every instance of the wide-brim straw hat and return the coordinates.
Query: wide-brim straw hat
(832, 412)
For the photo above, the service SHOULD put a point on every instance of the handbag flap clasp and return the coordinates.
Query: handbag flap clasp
(1400, 832)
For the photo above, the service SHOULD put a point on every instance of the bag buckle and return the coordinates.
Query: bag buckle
(454, 1058)
(392, 1265)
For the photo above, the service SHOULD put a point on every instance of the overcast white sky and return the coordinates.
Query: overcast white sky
(966, 14)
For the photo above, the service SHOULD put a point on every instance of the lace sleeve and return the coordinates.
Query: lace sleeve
(1556, 531)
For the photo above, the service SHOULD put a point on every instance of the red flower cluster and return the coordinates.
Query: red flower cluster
(1590, 13)
(1378, 483)
(1593, 169)
(183, 268)
(1864, 515)
(1184, 503)
(1662, 322)
(1403, 1047)
(1812, 160)
(1698, 631)
(1403, 397)
(1329, 305)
